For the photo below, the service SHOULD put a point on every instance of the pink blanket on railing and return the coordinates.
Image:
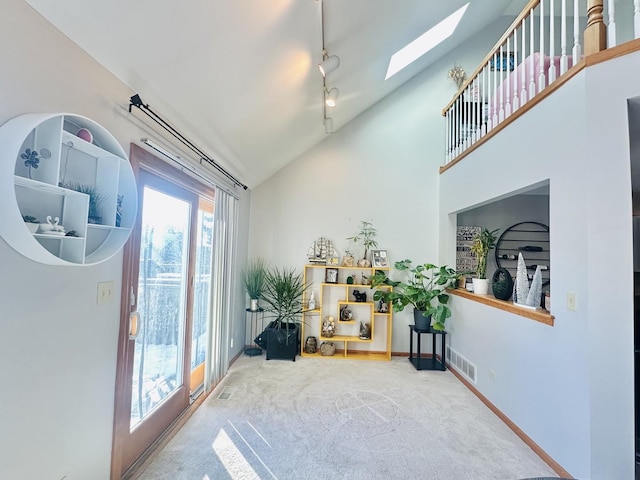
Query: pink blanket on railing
(510, 88)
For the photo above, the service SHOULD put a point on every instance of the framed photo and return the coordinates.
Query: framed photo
(379, 258)
(331, 275)
(333, 261)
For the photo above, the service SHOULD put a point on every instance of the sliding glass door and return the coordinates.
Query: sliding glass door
(165, 313)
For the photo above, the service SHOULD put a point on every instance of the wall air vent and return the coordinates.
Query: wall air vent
(461, 364)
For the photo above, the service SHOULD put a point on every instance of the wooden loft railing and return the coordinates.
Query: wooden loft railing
(542, 48)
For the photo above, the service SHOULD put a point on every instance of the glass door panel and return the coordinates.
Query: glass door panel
(162, 300)
(202, 292)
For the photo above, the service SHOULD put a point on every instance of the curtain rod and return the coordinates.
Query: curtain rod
(136, 101)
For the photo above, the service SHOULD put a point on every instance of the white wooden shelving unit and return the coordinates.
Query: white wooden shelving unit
(65, 160)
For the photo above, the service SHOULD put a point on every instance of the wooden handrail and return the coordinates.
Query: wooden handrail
(532, 4)
(595, 35)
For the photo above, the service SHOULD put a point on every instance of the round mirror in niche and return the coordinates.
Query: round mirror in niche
(68, 191)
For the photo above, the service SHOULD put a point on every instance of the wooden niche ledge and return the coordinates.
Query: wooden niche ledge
(539, 315)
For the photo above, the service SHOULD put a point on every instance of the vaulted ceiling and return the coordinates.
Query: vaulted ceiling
(240, 77)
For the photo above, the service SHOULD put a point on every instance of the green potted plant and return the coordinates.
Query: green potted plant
(424, 288)
(282, 300)
(253, 277)
(366, 235)
(482, 244)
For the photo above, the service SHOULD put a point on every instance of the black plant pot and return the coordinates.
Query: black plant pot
(421, 322)
(281, 341)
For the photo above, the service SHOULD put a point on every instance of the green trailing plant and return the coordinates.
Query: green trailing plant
(424, 288)
(253, 276)
(95, 197)
(482, 244)
(366, 236)
(282, 296)
(30, 219)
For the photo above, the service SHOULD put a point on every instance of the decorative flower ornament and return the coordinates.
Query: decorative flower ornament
(458, 75)
(31, 159)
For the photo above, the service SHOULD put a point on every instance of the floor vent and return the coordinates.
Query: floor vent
(461, 364)
(226, 393)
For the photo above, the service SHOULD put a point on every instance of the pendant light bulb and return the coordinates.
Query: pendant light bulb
(332, 97)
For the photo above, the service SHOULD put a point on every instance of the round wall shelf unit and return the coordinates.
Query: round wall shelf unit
(532, 240)
(65, 167)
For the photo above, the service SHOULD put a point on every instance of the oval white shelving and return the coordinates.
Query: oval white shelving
(69, 172)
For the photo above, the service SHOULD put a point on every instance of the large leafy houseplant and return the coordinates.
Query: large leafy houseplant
(424, 288)
(253, 277)
(282, 297)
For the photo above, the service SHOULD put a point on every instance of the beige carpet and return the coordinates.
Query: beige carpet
(343, 419)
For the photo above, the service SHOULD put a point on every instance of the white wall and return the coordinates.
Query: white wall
(570, 386)
(57, 347)
(381, 167)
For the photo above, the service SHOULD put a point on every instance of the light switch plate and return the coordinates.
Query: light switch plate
(572, 302)
(105, 292)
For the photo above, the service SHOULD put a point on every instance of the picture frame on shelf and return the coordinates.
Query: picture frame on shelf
(379, 258)
(333, 261)
(331, 275)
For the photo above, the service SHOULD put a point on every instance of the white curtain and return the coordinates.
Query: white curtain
(222, 294)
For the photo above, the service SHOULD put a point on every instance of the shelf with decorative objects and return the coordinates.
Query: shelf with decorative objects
(346, 319)
(70, 194)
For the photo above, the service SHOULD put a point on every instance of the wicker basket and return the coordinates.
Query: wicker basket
(327, 349)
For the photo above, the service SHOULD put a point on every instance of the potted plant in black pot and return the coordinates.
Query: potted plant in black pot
(482, 244)
(424, 288)
(282, 300)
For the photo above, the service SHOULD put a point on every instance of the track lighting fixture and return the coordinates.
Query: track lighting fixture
(329, 64)
(328, 125)
(331, 97)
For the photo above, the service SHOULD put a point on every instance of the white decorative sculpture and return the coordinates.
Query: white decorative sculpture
(312, 302)
(523, 294)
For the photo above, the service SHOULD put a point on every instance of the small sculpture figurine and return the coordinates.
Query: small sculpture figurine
(383, 307)
(312, 302)
(360, 296)
(311, 345)
(365, 331)
(346, 314)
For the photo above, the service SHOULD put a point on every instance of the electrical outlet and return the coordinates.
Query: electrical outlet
(572, 302)
(105, 292)
(492, 375)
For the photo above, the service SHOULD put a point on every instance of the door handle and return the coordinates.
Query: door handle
(134, 325)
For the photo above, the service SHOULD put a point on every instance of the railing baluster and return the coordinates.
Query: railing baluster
(516, 84)
(636, 18)
(577, 48)
(474, 112)
(541, 73)
(552, 43)
(564, 64)
(532, 83)
(501, 88)
(495, 89)
(447, 138)
(611, 25)
(507, 104)
(486, 99)
(523, 93)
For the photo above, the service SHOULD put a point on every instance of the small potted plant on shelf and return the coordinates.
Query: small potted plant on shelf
(366, 235)
(482, 244)
(31, 222)
(253, 276)
(282, 300)
(424, 288)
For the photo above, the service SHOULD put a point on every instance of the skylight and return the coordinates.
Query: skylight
(425, 42)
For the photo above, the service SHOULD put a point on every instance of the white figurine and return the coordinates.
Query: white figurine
(312, 302)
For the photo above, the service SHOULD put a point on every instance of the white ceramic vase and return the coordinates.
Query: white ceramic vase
(480, 286)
